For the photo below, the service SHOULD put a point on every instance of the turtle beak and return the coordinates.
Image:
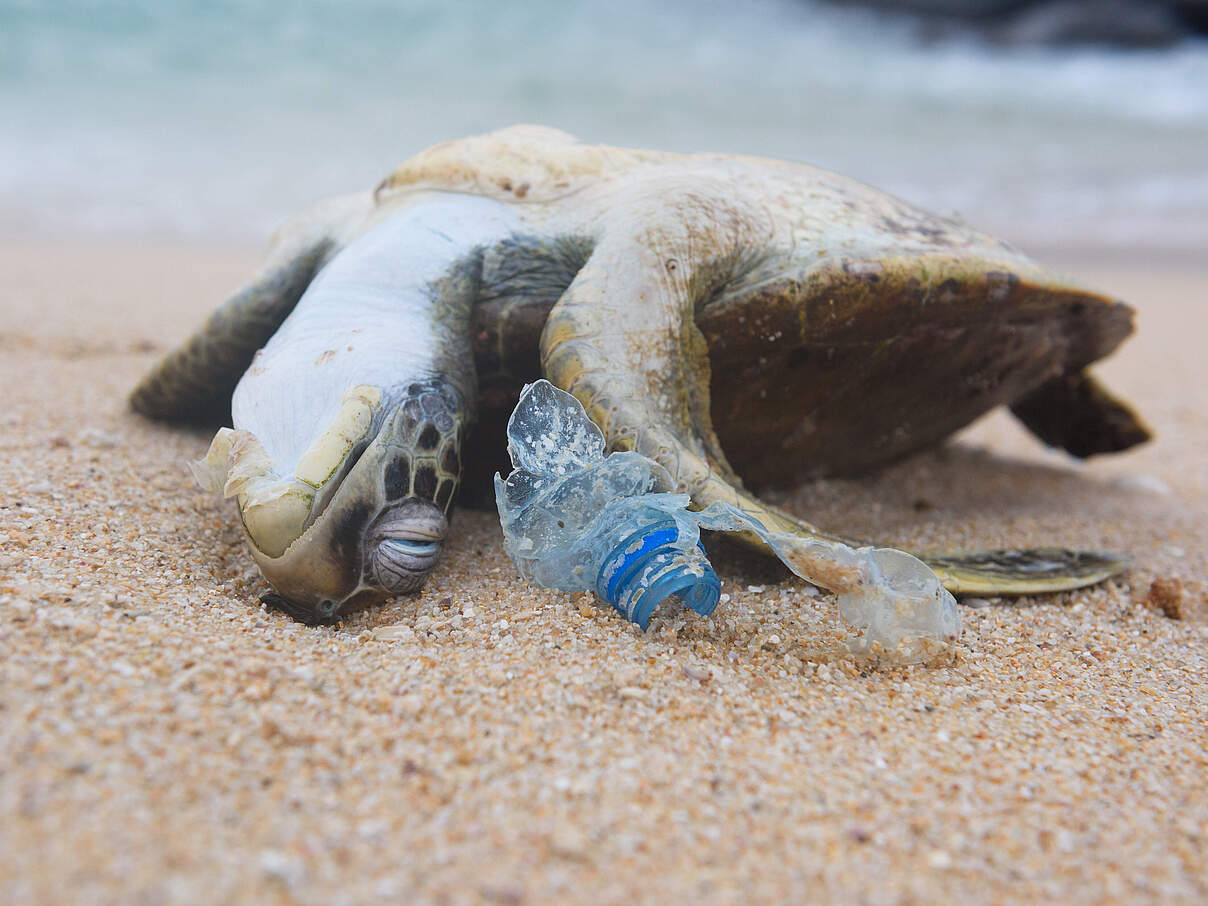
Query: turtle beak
(403, 545)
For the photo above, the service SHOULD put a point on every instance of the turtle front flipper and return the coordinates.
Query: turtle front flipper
(194, 382)
(624, 341)
(1023, 571)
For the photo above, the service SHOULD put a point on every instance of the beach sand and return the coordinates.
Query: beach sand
(166, 739)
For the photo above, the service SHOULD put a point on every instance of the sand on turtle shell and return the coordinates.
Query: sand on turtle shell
(165, 739)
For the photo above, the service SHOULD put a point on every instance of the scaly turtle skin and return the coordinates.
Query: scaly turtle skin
(725, 316)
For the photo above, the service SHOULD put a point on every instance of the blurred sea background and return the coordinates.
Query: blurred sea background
(211, 120)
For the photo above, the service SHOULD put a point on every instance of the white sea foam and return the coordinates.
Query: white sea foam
(218, 120)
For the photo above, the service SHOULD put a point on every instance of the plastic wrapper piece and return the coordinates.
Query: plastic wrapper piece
(894, 599)
(576, 519)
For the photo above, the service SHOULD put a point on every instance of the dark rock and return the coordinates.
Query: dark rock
(1194, 14)
(1117, 22)
(1127, 23)
(956, 9)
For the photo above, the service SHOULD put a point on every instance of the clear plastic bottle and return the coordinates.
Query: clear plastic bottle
(578, 520)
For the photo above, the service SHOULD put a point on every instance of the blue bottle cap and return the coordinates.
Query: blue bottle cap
(646, 569)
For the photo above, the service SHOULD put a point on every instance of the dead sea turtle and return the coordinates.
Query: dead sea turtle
(726, 316)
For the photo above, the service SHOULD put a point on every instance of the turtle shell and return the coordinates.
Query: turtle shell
(861, 362)
(853, 363)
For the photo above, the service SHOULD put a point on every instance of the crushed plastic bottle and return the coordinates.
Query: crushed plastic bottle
(578, 520)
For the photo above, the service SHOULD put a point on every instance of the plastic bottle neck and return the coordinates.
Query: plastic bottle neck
(647, 567)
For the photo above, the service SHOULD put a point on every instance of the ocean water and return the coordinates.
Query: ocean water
(205, 119)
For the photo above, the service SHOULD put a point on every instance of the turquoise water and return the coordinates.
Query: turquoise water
(216, 120)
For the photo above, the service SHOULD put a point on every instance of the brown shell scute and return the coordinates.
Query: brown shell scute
(848, 368)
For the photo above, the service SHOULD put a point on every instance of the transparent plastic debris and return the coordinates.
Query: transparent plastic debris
(576, 519)
(894, 600)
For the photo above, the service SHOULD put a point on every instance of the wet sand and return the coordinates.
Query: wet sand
(165, 739)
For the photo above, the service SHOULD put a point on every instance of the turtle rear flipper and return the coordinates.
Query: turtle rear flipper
(1074, 412)
(194, 382)
(624, 341)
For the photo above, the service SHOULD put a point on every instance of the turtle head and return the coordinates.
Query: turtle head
(365, 514)
(323, 577)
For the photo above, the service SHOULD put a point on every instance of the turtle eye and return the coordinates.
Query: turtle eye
(327, 608)
(311, 615)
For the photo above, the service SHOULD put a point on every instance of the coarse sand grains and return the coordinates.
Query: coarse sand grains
(166, 739)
